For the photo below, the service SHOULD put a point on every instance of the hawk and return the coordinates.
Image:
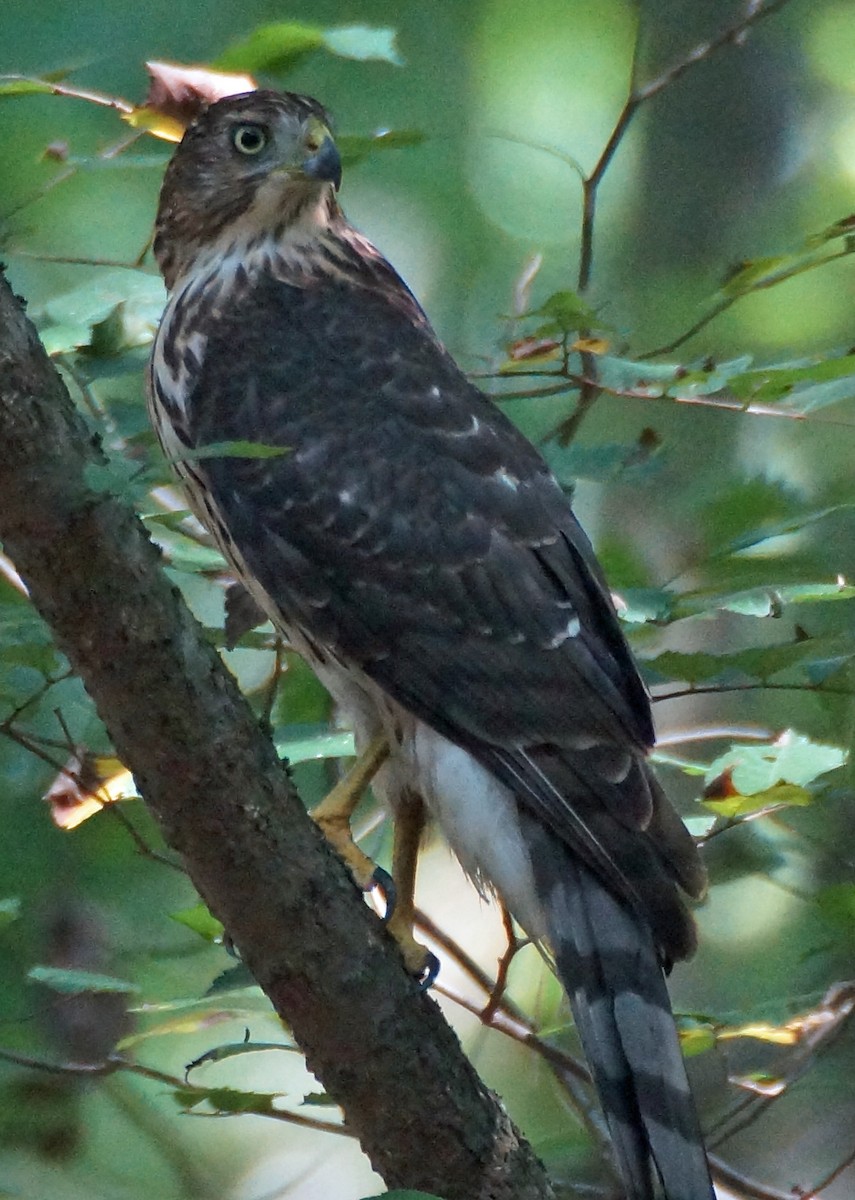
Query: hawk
(413, 546)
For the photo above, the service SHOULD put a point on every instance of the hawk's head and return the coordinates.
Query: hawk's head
(252, 165)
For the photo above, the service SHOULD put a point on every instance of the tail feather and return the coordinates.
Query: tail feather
(609, 966)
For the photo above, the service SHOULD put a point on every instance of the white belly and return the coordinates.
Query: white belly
(479, 816)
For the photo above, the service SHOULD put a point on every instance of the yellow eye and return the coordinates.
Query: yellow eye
(250, 139)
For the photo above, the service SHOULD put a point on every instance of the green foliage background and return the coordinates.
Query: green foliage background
(728, 533)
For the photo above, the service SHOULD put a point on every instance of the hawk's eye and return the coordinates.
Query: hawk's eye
(250, 139)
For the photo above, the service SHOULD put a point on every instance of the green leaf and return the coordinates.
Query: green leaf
(228, 1101)
(233, 449)
(199, 919)
(192, 558)
(166, 520)
(761, 602)
(20, 85)
(117, 332)
(73, 982)
(41, 656)
(252, 1002)
(708, 382)
(319, 1100)
(65, 322)
(10, 910)
(782, 380)
(757, 663)
(648, 378)
(115, 477)
(836, 904)
(276, 47)
(284, 44)
(355, 148)
(755, 273)
(238, 976)
(181, 1025)
(336, 744)
(405, 1195)
(641, 606)
(233, 1050)
(602, 462)
(566, 312)
(698, 827)
(792, 758)
(745, 512)
(363, 42)
(696, 1037)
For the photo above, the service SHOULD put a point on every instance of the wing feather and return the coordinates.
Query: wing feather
(425, 540)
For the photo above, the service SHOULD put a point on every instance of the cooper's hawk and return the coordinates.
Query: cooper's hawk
(414, 547)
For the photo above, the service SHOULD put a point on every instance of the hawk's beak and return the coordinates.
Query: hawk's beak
(325, 163)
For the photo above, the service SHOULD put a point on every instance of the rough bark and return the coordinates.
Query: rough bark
(212, 779)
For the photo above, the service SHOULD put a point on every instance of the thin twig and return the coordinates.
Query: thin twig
(726, 689)
(272, 685)
(34, 698)
(556, 389)
(73, 260)
(722, 305)
(830, 1178)
(466, 964)
(733, 35)
(513, 947)
(817, 1029)
(114, 1063)
(143, 848)
(646, 394)
(743, 1185)
(709, 733)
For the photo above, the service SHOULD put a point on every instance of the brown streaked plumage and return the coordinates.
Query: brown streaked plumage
(416, 549)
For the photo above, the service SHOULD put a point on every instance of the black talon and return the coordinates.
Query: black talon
(383, 880)
(229, 946)
(429, 972)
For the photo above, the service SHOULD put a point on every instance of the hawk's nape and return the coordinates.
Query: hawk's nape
(414, 547)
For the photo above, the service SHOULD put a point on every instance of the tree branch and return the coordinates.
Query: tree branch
(223, 801)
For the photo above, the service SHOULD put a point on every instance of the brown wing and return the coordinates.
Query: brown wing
(410, 528)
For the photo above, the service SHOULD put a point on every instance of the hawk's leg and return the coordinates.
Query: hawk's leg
(334, 813)
(409, 823)
(333, 816)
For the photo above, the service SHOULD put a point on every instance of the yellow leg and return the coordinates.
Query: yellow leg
(333, 816)
(334, 812)
(409, 825)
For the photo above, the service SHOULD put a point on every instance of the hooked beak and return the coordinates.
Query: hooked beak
(325, 163)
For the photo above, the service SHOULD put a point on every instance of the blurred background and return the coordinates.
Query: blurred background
(743, 158)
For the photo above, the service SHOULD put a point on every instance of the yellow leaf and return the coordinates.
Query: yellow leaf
(737, 805)
(177, 94)
(188, 1023)
(761, 1032)
(591, 345)
(168, 129)
(86, 784)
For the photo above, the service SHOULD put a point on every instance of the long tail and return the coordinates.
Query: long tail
(607, 962)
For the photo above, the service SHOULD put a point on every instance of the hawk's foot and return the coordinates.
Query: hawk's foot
(385, 884)
(333, 814)
(398, 919)
(419, 961)
(409, 825)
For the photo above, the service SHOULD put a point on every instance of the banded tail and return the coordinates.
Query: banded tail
(610, 969)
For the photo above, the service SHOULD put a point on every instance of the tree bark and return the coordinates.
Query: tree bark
(212, 779)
